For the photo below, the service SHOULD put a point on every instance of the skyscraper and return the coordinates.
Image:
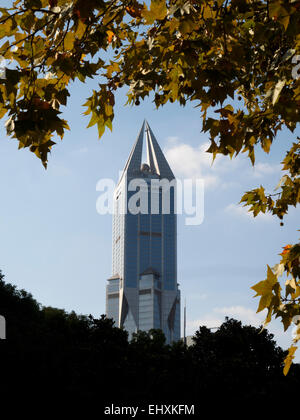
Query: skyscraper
(143, 291)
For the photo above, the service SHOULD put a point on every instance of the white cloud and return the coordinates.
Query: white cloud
(217, 317)
(246, 315)
(229, 184)
(265, 169)
(208, 320)
(173, 140)
(187, 160)
(241, 211)
(194, 162)
(191, 162)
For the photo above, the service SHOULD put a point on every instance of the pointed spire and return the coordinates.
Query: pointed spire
(134, 161)
(155, 157)
(150, 157)
(161, 165)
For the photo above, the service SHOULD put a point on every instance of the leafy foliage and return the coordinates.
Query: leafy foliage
(283, 303)
(205, 51)
(237, 56)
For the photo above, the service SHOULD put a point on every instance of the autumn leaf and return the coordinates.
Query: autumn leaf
(110, 36)
(289, 359)
(158, 11)
(135, 10)
(286, 249)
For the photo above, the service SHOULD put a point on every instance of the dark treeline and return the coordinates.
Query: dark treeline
(53, 356)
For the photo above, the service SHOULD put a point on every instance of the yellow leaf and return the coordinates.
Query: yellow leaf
(290, 287)
(268, 317)
(81, 27)
(208, 13)
(113, 67)
(108, 109)
(158, 11)
(271, 278)
(3, 111)
(265, 289)
(288, 360)
(265, 301)
(69, 41)
(262, 288)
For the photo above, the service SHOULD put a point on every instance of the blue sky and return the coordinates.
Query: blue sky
(55, 245)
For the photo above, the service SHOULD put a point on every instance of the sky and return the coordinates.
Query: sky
(55, 245)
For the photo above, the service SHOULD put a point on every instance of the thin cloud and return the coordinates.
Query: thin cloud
(217, 317)
(241, 211)
(265, 169)
(195, 162)
(246, 315)
(189, 162)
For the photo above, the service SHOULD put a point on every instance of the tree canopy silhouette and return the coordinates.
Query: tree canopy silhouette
(51, 355)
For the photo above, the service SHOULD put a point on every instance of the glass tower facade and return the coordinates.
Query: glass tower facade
(143, 291)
